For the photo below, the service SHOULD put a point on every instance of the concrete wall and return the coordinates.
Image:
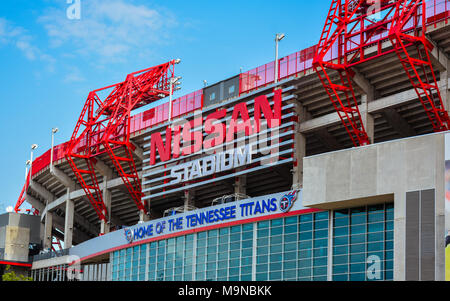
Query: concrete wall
(17, 231)
(17, 243)
(31, 222)
(380, 173)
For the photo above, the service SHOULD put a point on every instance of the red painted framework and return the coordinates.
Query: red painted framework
(350, 26)
(105, 127)
(19, 264)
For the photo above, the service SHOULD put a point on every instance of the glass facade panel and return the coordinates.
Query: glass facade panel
(293, 248)
(362, 243)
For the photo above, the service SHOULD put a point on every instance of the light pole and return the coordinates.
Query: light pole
(33, 147)
(278, 38)
(28, 163)
(54, 131)
(174, 83)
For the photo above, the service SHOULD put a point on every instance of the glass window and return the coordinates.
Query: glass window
(322, 261)
(247, 227)
(341, 222)
(290, 248)
(340, 231)
(235, 229)
(276, 248)
(290, 238)
(367, 237)
(263, 232)
(356, 239)
(224, 231)
(306, 235)
(276, 239)
(321, 216)
(305, 253)
(291, 220)
(247, 235)
(212, 241)
(278, 257)
(341, 213)
(247, 252)
(262, 225)
(235, 237)
(235, 245)
(358, 229)
(358, 219)
(318, 271)
(341, 259)
(306, 227)
(321, 234)
(276, 231)
(262, 259)
(321, 224)
(376, 227)
(305, 245)
(305, 272)
(306, 218)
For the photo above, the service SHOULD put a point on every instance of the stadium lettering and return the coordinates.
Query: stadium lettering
(212, 164)
(218, 133)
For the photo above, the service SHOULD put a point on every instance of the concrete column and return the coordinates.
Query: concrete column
(105, 226)
(299, 148)
(189, 201)
(68, 225)
(367, 119)
(48, 231)
(240, 185)
(444, 89)
(399, 236)
(143, 217)
(299, 153)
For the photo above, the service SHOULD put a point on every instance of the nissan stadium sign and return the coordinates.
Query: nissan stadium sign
(210, 165)
(236, 138)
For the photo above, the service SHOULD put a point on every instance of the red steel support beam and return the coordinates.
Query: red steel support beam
(104, 127)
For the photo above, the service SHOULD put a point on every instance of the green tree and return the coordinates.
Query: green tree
(11, 276)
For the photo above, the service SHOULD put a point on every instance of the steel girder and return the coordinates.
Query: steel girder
(351, 27)
(104, 127)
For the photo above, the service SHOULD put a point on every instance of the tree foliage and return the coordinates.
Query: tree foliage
(11, 276)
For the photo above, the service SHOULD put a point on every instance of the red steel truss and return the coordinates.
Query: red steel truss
(417, 62)
(104, 127)
(352, 26)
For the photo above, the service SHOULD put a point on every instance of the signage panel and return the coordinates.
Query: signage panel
(242, 137)
(258, 207)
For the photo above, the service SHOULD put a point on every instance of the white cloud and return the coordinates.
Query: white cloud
(74, 76)
(23, 41)
(27, 49)
(109, 30)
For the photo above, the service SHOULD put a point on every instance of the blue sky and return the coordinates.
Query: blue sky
(50, 63)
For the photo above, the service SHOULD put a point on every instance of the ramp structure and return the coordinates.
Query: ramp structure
(104, 127)
(352, 27)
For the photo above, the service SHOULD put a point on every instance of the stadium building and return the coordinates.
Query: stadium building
(327, 164)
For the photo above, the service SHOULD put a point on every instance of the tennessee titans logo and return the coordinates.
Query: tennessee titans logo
(128, 235)
(287, 201)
